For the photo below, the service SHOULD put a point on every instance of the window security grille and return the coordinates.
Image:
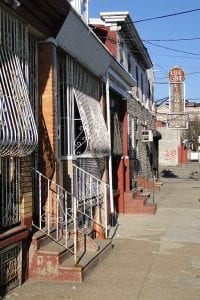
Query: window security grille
(18, 134)
(9, 191)
(18, 85)
(10, 268)
(82, 125)
(93, 124)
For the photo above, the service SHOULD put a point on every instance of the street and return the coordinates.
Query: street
(154, 257)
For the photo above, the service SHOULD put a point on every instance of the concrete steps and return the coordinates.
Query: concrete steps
(50, 261)
(137, 203)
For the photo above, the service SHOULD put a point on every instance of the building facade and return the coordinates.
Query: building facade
(138, 161)
(55, 151)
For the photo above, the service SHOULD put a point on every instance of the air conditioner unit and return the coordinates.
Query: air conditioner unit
(147, 136)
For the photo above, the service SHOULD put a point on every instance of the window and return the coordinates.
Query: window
(142, 85)
(129, 63)
(137, 81)
(82, 126)
(18, 88)
(121, 53)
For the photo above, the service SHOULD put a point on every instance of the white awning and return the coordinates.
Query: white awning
(93, 124)
(18, 132)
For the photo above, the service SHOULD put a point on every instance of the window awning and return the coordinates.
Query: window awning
(93, 124)
(18, 132)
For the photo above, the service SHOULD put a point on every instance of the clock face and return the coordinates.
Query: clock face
(176, 75)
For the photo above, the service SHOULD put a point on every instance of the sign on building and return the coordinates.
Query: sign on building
(177, 117)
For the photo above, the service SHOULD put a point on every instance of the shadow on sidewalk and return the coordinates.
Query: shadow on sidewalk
(168, 174)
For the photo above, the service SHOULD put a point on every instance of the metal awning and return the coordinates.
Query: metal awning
(77, 39)
(18, 132)
(93, 124)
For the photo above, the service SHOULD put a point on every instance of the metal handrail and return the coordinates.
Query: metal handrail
(55, 214)
(91, 193)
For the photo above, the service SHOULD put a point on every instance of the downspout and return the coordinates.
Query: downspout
(112, 213)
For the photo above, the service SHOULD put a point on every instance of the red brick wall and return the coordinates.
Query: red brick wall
(108, 38)
(111, 42)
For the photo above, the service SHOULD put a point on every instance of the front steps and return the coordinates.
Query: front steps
(50, 261)
(149, 184)
(136, 202)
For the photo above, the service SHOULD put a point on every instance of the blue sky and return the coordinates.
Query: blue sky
(185, 26)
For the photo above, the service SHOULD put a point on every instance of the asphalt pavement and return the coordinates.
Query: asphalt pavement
(154, 257)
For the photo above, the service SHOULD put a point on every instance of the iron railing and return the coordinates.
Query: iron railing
(91, 193)
(62, 214)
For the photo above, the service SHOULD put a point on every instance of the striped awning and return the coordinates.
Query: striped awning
(18, 132)
(93, 124)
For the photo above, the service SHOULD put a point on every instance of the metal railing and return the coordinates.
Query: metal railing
(91, 194)
(62, 214)
(55, 212)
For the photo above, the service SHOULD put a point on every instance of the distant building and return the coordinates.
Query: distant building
(175, 145)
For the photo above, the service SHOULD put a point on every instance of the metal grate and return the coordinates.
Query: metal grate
(18, 133)
(9, 191)
(10, 267)
(73, 76)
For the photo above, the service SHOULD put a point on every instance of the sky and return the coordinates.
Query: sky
(183, 26)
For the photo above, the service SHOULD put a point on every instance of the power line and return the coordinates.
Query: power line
(175, 50)
(165, 71)
(115, 41)
(167, 16)
(179, 56)
(172, 40)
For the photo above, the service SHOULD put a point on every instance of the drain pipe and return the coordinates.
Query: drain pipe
(112, 212)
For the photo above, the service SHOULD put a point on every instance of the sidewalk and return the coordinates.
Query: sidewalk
(154, 257)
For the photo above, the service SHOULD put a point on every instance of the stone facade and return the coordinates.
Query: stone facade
(143, 156)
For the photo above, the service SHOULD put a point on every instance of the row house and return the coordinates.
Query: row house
(137, 162)
(62, 138)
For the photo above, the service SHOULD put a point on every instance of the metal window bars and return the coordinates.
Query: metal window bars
(18, 132)
(9, 191)
(82, 124)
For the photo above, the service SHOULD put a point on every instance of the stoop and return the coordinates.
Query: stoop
(50, 261)
(136, 202)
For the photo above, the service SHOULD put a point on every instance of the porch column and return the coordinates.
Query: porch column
(125, 152)
(47, 82)
(47, 109)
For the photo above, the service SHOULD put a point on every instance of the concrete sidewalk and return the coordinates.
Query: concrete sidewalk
(154, 257)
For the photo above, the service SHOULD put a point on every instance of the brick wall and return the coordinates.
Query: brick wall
(47, 128)
(111, 42)
(26, 201)
(47, 157)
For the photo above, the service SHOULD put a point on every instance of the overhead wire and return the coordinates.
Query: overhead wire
(171, 40)
(175, 50)
(167, 16)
